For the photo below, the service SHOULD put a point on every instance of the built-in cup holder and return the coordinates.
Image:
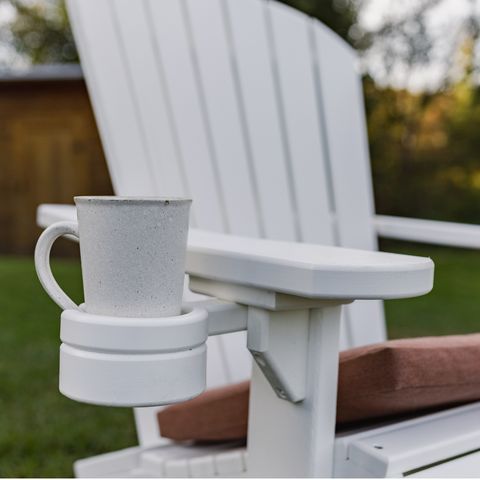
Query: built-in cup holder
(130, 344)
(131, 362)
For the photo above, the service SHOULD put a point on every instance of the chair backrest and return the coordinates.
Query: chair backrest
(251, 108)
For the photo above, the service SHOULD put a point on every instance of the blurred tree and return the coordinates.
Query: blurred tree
(403, 41)
(425, 148)
(340, 15)
(40, 31)
(410, 39)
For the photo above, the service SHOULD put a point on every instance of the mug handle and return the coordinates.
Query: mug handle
(42, 262)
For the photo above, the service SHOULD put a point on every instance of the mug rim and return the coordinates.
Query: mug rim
(130, 199)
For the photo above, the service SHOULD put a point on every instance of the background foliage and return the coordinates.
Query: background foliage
(39, 31)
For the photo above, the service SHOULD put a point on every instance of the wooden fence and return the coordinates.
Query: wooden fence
(49, 151)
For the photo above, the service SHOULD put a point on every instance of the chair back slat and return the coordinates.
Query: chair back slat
(342, 109)
(144, 75)
(346, 139)
(113, 104)
(170, 37)
(251, 54)
(291, 50)
(215, 78)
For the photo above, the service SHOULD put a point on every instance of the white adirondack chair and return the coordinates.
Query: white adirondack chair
(256, 112)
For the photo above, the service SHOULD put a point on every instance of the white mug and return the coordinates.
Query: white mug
(132, 253)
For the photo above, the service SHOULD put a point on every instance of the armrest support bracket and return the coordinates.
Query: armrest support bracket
(278, 342)
(277, 331)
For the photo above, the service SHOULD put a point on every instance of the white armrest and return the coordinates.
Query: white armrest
(49, 213)
(428, 231)
(311, 271)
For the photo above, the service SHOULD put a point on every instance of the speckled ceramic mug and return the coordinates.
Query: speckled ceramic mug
(132, 253)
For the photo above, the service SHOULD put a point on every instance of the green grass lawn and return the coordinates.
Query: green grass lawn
(452, 307)
(42, 433)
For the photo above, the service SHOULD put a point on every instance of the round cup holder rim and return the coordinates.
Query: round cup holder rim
(188, 313)
(134, 334)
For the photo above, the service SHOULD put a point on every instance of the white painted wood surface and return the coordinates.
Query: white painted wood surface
(428, 231)
(307, 270)
(290, 44)
(146, 82)
(209, 43)
(466, 466)
(170, 36)
(394, 449)
(160, 461)
(257, 89)
(297, 439)
(346, 137)
(113, 103)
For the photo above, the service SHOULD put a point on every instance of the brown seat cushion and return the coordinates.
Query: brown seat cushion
(381, 380)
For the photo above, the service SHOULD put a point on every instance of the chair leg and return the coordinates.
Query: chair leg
(297, 439)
